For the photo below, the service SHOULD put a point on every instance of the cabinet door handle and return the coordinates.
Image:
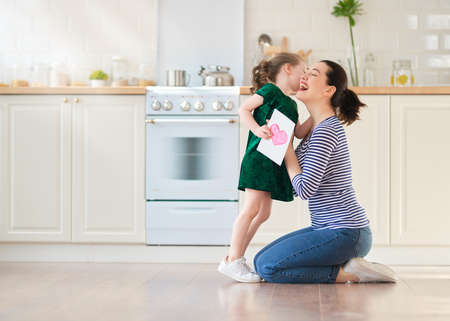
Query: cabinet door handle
(76, 100)
(65, 100)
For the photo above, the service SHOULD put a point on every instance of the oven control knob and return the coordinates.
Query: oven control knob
(185, 106)
(156, 105)
(198, 106)
(217, 105)
(229, 105)
(167, 105)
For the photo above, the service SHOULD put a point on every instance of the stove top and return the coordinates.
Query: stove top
(192, 101)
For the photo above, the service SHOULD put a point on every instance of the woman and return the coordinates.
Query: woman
(332, 249)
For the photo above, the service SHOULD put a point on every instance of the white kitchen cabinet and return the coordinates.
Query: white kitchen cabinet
(72, 168)
(35, 168)
(108, 202)
(368, 141)
(420, 175)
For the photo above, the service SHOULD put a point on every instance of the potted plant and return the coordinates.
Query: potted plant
(349, 9)
(98, 78)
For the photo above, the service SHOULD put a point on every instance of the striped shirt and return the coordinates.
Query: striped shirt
(326, 178)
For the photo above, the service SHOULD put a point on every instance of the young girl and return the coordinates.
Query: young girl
(261, 178)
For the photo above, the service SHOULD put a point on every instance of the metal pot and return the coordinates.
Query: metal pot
(177, 78)
(216, 76)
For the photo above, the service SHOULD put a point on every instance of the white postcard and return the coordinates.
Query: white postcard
(275, 147)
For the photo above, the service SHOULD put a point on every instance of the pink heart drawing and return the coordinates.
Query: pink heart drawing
(279, 137)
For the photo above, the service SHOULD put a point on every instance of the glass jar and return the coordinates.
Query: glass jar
(59, 75)
(79, 76)
(3, 82)
(119, 72)
(144, 77)
(20, 76)
(402, 73)
(39, 75)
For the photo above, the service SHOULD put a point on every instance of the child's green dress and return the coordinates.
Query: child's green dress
(258, 171)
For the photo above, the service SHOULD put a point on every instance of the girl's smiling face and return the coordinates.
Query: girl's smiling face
(295, 74)
(314, 84)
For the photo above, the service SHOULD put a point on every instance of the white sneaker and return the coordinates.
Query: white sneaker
(370, 271)
(238, 270)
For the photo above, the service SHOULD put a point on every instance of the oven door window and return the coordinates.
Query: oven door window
(192, 160)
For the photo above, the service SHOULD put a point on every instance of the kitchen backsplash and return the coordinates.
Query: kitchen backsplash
(87, 33)
(90, 32)
(390, 29)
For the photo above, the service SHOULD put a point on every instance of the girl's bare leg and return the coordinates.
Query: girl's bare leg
(253, 203)
(261, 217)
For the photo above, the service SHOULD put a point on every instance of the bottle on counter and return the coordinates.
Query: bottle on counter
(39, 75)
(369, 70)
(3, 81)
(59, 75)
(20, 75)
(119, 72)
(79, 76)
(144, 77)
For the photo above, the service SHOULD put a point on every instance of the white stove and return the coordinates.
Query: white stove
(194, 101)
(192, 164)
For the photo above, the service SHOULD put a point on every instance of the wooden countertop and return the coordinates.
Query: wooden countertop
(415, 90)
(245, 90)
(130, 90)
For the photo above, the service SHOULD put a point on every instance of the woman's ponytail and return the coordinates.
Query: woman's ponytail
(349, 105)
(344, 101)
(267, 70)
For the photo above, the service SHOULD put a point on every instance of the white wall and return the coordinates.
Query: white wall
(201, 32)
(83, 32)
(414, 29)
(92, 31)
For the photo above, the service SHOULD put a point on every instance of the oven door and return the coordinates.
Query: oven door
(192, 158)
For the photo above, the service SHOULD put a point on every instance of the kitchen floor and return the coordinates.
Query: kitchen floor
(110, 291)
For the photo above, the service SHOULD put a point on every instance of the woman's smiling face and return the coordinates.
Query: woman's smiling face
(314, 84)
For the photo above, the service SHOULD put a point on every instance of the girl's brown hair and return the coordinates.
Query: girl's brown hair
(267, 70)
(344, 101)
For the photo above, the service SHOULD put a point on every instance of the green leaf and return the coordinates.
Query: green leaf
(347, 8)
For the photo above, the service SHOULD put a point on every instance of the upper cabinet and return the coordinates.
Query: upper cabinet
(35, 168)
(420, 170)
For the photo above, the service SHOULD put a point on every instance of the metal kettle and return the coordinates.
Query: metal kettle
(216, 76)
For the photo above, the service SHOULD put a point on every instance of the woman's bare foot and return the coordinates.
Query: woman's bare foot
(344, 277)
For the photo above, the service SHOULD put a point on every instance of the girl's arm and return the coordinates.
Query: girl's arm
(301, 130)
(245, 114)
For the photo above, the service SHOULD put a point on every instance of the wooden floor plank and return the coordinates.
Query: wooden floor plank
(165, 292)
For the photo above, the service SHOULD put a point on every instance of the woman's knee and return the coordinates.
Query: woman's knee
(264, 267)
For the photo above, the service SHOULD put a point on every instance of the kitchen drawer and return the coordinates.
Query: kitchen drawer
(190, 223)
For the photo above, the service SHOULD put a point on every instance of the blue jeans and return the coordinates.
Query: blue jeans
(311, 256)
